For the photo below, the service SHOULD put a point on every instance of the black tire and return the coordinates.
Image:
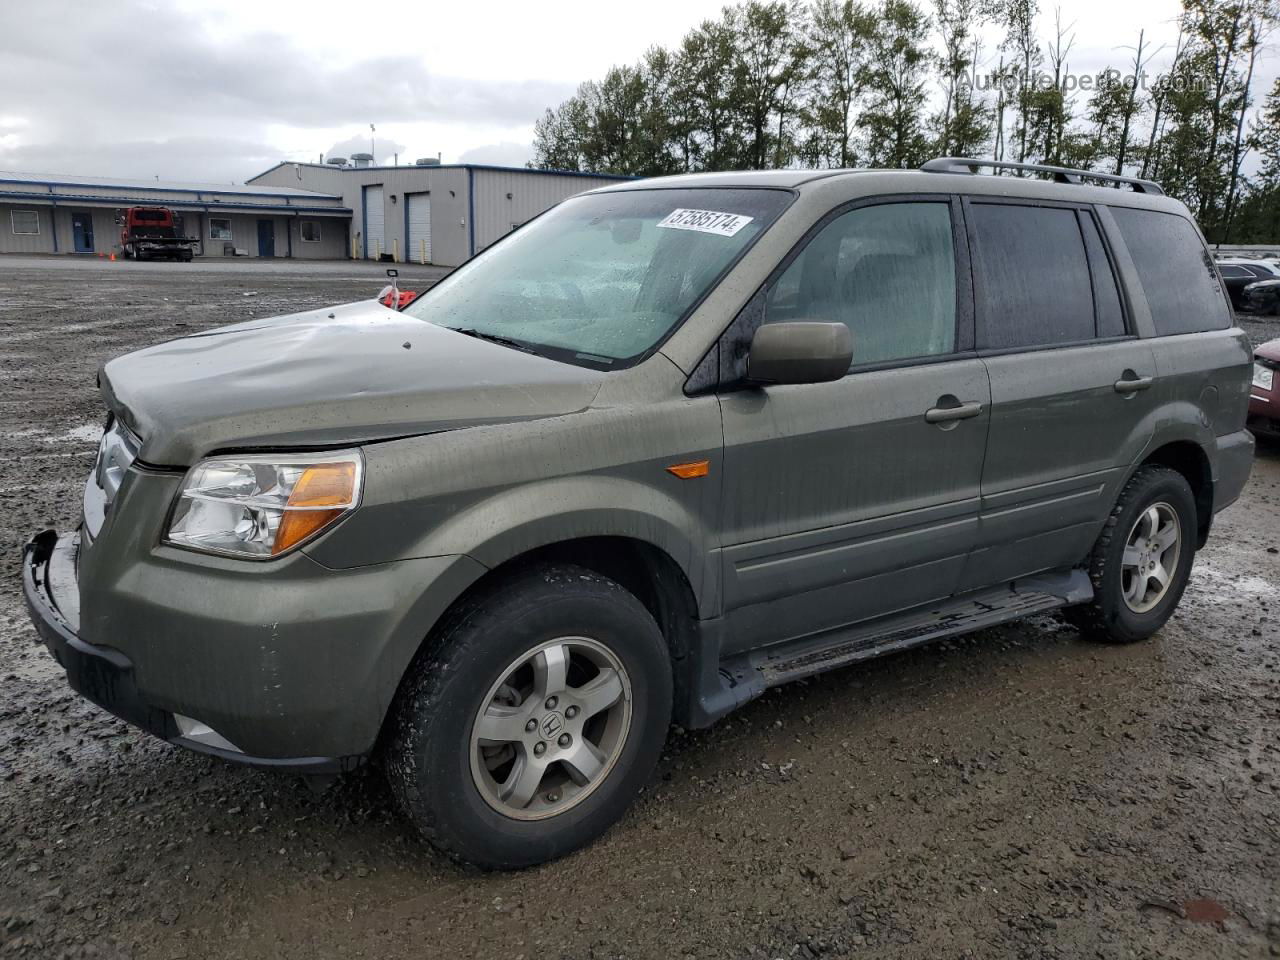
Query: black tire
(428, 749)
(1108, 617)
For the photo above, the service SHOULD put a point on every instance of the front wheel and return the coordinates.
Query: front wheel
(1142, 559)
(532, 720)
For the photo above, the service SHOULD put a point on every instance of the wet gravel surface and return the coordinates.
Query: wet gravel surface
(1017, 793)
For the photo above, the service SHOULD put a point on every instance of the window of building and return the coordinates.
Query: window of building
(310, 231)
(219, 228)
(25, 222)
(1032, 274)
(1176, 271)
(888, 272)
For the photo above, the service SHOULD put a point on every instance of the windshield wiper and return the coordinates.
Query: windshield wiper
(494, 338)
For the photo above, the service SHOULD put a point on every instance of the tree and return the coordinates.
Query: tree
(703, 80)
(768, 65)
(963, 127)
(1261, 19)
(1019, 20)
(1258, 220)
(1130, 106)
(557, 136)
(894, 118)
(838, 37)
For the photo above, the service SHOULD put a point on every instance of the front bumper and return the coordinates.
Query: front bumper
(104, 675)
(292, 667)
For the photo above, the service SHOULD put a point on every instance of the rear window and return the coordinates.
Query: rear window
(1034, 287)
(1176, 271)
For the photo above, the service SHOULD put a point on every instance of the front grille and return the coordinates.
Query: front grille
(116, 452)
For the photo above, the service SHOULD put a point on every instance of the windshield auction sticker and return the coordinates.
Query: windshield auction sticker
(705, 221)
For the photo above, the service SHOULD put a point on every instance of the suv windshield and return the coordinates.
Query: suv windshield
(601, 279)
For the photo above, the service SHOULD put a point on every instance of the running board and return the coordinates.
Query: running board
(745, 676)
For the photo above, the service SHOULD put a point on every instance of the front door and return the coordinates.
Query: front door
(82, 232)
(850, 500)
(1069, 385)
(266, 238)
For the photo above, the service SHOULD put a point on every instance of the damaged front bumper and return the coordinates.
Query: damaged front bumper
(106, 676)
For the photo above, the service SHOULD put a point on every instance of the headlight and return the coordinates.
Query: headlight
(261, 506)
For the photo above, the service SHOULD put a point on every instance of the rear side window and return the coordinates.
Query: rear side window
(1233, 273)
(1033, 281)
(888, 272)
(1177, 273)
(1106, 295)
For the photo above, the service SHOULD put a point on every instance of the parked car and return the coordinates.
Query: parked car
(1264, 393)
(670, 444)
(1262, 297)
(1237, 275)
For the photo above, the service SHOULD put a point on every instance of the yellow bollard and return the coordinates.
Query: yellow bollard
(355, 249)
(378, 247)
(395, 249)
(422, 251)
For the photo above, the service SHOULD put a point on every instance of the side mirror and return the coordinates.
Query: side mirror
(392, 272)
(799, 352)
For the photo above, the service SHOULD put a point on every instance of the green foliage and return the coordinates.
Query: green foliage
(839, 83)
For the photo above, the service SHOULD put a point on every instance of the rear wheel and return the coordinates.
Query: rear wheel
(1142, 560)
(531, 722)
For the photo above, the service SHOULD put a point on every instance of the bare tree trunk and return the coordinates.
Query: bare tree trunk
(1130, 106)
(1237, 155)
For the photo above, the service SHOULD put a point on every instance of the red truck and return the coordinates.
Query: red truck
(148, 233)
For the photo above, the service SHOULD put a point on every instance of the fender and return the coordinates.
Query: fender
(515, 521)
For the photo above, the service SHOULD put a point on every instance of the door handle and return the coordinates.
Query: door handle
(1131, 385)
(962, 411)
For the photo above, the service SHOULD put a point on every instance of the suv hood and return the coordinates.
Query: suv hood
(342, 375)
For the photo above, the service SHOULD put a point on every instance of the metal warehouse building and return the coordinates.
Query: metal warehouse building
(66, 214)
(432, 213)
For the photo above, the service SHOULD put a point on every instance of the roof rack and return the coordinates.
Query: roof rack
(1060, 174)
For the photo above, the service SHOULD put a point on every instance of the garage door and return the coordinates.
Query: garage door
(419, 228)
(375, 238)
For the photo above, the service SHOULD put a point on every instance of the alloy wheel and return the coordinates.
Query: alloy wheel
(550, 730)
(1150, 558)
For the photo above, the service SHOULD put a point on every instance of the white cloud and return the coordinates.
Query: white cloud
(505, 154)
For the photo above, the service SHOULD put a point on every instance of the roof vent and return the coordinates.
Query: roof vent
(427, 162)
(362, 159)
(336, 162)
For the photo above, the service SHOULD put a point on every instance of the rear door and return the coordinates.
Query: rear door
(418, 215)
(849, 500)
(374, 224)
(1070, 384)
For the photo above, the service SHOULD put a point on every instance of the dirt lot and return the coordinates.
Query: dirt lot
(1018, 793)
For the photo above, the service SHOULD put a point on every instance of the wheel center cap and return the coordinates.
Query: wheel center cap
(551, 726)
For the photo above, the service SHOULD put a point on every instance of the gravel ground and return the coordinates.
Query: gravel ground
(1017, 793)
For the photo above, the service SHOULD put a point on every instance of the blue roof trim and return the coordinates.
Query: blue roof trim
(6, 195)
(496, 168)
(191, 189)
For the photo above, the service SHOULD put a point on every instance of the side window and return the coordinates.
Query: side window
(1176, 271)
(1032, 276)
(1232, 272)
(1106, 295)
(888, 272)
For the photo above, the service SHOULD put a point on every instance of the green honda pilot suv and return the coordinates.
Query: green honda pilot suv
(671, 443)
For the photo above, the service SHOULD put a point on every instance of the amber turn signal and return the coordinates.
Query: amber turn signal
(323, 485)
(688, 471)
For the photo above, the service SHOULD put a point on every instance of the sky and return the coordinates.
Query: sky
(217, 92)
